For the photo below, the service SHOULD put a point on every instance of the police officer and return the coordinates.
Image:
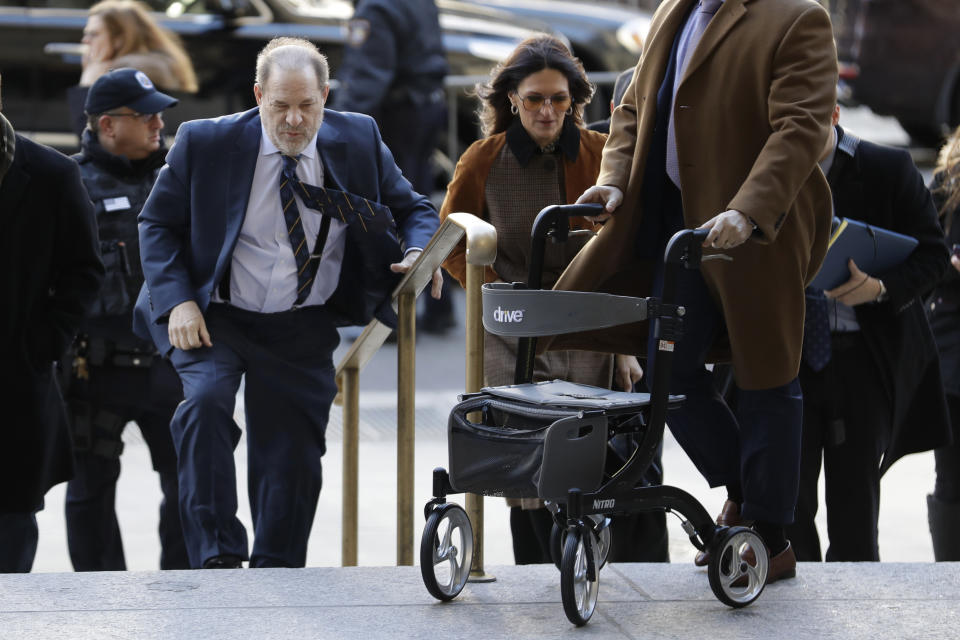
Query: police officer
(118, 377)
(393, 69)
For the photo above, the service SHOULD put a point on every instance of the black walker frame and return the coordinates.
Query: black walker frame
(738, 559)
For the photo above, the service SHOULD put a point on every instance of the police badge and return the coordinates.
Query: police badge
(358, 30)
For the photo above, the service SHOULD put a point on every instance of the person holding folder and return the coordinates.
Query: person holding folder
(870, 375)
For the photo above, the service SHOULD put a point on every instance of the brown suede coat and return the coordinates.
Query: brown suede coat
(465, 193)
(752, 115)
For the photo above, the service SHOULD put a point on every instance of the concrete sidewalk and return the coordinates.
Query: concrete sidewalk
(843, 601)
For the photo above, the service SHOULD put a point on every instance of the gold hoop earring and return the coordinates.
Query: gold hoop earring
(514, 109)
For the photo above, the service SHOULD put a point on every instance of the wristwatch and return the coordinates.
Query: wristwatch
(883, 292)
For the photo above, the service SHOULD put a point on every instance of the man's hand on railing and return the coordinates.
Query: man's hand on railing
(436, 287)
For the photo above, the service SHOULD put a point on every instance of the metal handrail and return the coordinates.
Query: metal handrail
(481, 251)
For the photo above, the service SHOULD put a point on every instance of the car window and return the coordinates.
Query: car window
(176, 8)
(49, 4)
(326, 8)
(171, 8)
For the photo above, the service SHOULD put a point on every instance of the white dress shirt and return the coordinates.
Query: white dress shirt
(263, 272)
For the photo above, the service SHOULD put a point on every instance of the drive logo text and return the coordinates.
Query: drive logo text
(505, 315)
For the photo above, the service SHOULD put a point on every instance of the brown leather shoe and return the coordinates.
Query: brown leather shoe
(783, 565)
(729, 517)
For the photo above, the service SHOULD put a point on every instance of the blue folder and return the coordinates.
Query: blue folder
(873, 249)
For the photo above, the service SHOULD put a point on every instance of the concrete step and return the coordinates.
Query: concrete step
(842, 601)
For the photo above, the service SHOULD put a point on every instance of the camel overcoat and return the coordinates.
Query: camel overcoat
(752, 114)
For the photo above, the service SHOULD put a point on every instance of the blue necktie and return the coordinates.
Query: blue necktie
(703, 15)
(816, 330)
(349, 208)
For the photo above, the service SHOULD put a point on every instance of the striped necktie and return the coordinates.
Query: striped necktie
(307, 263)
(348, 208)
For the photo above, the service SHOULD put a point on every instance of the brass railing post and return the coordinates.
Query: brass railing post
(481, 250)
(406, 390)
(474, 382)
(350, 388)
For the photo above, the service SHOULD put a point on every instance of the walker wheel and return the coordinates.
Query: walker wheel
(557, 538)
(577, 590)
(601, 527)
(738, 566)
(446, 551)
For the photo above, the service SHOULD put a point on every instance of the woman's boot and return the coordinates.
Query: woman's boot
(944, 519)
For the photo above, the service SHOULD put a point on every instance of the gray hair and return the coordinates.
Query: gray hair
(93, 122)
(291, 54)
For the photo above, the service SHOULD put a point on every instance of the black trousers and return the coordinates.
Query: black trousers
(410, 131)
(18, 542)
(947, 487)
(636, 537)
(147, 396)
(846, 427)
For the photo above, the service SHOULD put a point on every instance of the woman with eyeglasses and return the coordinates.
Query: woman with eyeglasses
(535, 152)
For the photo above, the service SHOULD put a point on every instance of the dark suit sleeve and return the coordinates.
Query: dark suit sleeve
(77, 273)
(164, 232)
(416, 218)
(914, 214)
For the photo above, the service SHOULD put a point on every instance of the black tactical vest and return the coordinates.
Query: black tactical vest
(118, 189)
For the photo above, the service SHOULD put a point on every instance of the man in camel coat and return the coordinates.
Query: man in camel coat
(721, 129)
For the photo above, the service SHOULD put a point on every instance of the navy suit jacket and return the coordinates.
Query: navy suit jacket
(192, 219)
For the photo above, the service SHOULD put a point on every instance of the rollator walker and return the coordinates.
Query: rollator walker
(582, 449)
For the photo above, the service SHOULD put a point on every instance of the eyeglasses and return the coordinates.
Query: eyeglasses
(534, 101)
(144, 117)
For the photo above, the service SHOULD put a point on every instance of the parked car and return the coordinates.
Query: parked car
(605, 36)
(40, 51)
(902, 58)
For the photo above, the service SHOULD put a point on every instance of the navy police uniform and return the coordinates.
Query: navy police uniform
(393, 69)
(118, 377)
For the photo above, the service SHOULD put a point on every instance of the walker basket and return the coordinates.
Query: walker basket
(533, 440)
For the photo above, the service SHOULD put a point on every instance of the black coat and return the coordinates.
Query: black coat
(944, 304)
(50, 272)
(882, 186)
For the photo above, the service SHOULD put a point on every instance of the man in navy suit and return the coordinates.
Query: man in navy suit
(226, 295)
